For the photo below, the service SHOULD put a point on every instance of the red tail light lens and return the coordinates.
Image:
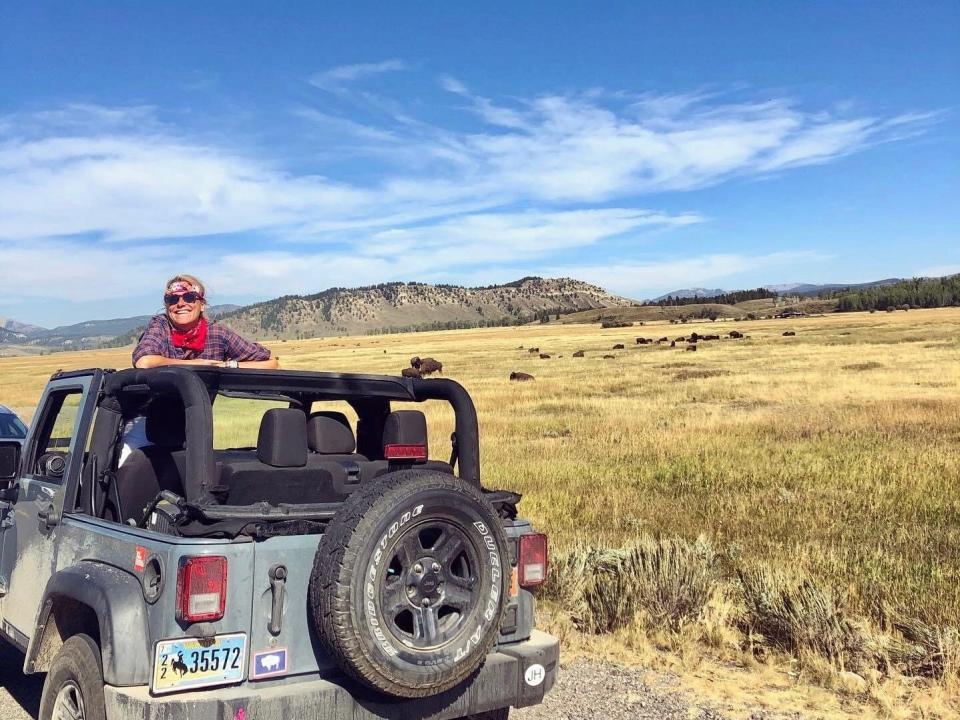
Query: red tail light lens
(201, 588)
(405, 452)
(532, 560)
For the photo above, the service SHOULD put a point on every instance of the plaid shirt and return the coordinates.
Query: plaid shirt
(222, 344)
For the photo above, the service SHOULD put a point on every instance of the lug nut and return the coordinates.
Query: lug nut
(418, 568)
(436, 567)
(411, 591)
(425, 602)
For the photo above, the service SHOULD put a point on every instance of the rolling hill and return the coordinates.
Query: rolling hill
(417, 306)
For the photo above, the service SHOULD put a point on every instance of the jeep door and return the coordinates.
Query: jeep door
(53, 455)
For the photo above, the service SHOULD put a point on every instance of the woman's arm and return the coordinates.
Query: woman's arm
(150, 361)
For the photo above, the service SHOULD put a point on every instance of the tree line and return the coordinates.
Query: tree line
(730, 298)
(916, 293)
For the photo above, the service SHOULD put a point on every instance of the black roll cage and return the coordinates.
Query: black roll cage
(370, 396)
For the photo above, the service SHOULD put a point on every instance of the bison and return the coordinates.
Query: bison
(609, 357)
(673, 343)
(427, 366)
(410, 372)
(789, 333)
(521, 376)
(691, 348)
(578, 353)
(663, 340)
(544, 356)
(618, 346)
(735, 334)
(533, 350)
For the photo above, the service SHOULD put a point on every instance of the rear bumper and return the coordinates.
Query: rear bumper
(502, 681)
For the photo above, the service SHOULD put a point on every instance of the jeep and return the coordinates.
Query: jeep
(324, 566)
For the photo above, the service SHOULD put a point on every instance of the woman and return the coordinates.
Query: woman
(183, 336)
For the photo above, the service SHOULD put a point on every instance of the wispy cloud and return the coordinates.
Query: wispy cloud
(335, 78)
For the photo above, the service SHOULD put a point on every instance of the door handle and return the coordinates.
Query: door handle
(278, 578)
(47, 517)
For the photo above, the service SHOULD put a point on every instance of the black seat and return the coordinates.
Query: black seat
(406, 428)
(154, 467)
(280, 473)
(329, 435)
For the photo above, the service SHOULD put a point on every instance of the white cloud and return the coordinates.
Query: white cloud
(335, 78)
(151, 187)
(513, 237)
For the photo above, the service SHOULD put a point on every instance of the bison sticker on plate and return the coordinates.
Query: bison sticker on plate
(269, 663)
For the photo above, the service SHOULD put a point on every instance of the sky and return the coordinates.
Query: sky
(281, 148)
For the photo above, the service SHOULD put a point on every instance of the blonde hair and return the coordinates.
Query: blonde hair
(187, 279)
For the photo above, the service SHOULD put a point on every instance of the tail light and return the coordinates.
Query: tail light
(201, 588)
(405, 452)
(532, 560)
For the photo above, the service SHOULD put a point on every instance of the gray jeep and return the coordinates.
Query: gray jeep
(330, 570)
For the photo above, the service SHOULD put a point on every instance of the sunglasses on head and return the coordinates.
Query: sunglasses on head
(188, 297)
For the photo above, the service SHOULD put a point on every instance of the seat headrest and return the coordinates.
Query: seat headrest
(329, 433)
(405, 427)
(283, 438)
(166, 422)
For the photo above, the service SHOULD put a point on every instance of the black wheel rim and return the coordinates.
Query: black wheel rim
(69, 703)
(431, 585)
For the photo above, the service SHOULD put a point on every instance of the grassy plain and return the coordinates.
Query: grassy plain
(834, 454)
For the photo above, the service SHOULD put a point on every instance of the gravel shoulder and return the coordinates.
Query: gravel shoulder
(19, 693)
(594, 690)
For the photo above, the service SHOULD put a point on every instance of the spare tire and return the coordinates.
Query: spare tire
(410, 581)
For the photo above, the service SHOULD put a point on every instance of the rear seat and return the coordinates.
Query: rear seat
(406, 427)
(331, 444)
(280, 473)
(330, 440)
(309, 461)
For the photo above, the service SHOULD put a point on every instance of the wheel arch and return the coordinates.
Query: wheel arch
(103, 602)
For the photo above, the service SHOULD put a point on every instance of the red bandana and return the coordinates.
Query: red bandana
(194, 339)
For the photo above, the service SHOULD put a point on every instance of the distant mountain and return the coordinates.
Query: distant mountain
(416, 306)
(807, 289)
(18, 327)
(690, 293)
(79, 336)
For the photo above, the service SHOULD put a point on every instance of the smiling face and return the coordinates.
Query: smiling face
(185, 311)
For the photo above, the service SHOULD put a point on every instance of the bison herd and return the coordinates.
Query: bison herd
(420, 367)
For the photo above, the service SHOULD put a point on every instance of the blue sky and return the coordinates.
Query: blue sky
(275, 148)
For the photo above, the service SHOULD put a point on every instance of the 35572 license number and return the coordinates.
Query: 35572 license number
(188, 663)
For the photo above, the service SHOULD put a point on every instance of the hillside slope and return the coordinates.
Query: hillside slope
(416, 306)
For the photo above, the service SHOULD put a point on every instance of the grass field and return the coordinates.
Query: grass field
(832, 456)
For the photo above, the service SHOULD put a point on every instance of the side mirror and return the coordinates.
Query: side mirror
(9, 459)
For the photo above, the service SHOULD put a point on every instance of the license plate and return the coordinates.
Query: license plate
(188, 663)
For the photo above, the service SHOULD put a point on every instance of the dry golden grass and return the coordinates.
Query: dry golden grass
(834, 454)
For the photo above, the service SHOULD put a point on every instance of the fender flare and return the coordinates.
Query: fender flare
(116, 599)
